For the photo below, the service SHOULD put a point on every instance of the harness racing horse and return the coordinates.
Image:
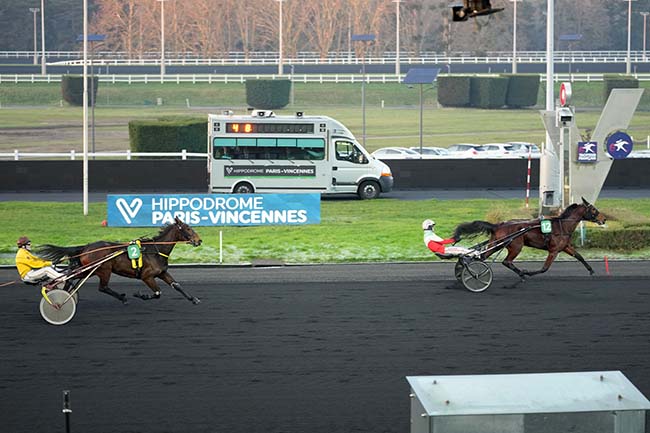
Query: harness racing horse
(154, 253)
(531, 235)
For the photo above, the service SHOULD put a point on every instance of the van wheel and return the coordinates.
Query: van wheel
(368, 190)
(243, 188)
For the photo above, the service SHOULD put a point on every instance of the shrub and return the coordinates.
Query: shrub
(168, 135)
(454, 91)
(488, 92)
(268, 94)
(615, 81)
(522, 90)
(72, 89)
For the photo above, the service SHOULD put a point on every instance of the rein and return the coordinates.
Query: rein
(112, 247)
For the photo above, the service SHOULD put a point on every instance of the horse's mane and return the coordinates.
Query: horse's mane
(162, 232)
(567, 212)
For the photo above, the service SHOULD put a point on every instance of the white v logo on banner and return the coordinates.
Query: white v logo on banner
(128, 211)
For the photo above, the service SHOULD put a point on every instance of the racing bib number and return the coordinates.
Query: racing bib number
(133, 251)
(545, 226)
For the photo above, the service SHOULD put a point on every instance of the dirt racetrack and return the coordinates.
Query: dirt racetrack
(309, 349)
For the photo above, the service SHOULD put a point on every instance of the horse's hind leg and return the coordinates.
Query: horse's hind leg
(571, 250)
(547, 264)
(513, 251)
(103, 286)
(151, 283)
(166, 277)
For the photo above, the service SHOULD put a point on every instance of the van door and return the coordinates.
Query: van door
(350, 164)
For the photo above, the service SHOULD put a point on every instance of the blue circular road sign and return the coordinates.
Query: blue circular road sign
(619, 145)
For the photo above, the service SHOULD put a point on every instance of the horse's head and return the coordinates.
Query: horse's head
(592, 214)
(186, 232)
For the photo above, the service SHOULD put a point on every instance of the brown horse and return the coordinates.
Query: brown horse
(515, 234)
(154, 252)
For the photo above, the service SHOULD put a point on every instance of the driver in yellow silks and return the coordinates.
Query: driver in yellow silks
(32, 269)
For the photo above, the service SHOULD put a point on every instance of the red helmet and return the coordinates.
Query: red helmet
(22, 241)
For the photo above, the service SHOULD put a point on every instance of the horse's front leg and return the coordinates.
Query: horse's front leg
(571, 250)
(151, 283)
(166, 277)
(547, 264)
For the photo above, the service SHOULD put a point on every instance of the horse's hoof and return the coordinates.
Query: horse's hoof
(196, 301)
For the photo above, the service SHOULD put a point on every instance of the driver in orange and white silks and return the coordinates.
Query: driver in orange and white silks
(31, 268)
(438, 245)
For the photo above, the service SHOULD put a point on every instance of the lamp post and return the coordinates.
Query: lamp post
(280, 67)
(397, 59)
(85, 108)
(43, 67)
(366, 39)
(92, 39)
(514, 36)
(162, 38)
(645, 15)
(34, 11)
(628, 59)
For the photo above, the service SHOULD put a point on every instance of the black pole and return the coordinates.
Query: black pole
(66, 410)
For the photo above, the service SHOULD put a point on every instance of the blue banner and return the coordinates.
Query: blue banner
(619, 145)
(153, 210)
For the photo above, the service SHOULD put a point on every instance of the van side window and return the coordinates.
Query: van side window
(269, 148)
(347, 151)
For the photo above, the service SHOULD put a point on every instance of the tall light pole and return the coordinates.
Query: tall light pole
(43, 67)
(85, 109)
(35, 11)
(514, 36)
(365, 39)
(162, 38)
(397, 60)
(645, 15)
(550, 19)
(628, 59)
(280, 66)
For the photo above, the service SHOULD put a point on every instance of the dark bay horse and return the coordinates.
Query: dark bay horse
(562, 227)
(154, 252)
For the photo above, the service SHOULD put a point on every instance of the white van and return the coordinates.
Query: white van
(265, 153)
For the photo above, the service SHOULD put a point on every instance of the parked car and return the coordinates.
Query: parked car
(498, 150)
(431, 152)
(521, 148)
(395, 153)
(465, 150)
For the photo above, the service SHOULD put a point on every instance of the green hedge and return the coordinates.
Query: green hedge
(72, 89)
(616, 81)
(522, 90)
(623, 239)
(488, 92)
(454, 91)
(170, 134)
(268, 94)
(512, 90)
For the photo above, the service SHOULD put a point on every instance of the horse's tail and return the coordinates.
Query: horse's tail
(55, 253)
(473, 229)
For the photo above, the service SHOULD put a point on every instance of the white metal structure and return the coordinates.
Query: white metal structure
(264, 153)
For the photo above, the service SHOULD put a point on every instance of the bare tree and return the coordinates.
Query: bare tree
(324, 20)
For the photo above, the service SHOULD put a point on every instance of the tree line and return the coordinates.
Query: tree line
(214, 28)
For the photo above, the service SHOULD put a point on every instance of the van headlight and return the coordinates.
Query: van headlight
(386, 172)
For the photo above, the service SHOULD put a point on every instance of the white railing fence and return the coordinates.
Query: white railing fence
(73, 155)
(297, 78)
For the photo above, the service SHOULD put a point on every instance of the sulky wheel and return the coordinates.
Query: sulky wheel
(476, 276)
(458, 270)
(59, 312)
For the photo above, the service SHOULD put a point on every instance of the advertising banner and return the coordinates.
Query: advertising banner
(153, 210)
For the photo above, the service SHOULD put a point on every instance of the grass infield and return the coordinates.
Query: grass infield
(350, 231)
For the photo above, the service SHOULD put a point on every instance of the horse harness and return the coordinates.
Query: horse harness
(135, 251)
